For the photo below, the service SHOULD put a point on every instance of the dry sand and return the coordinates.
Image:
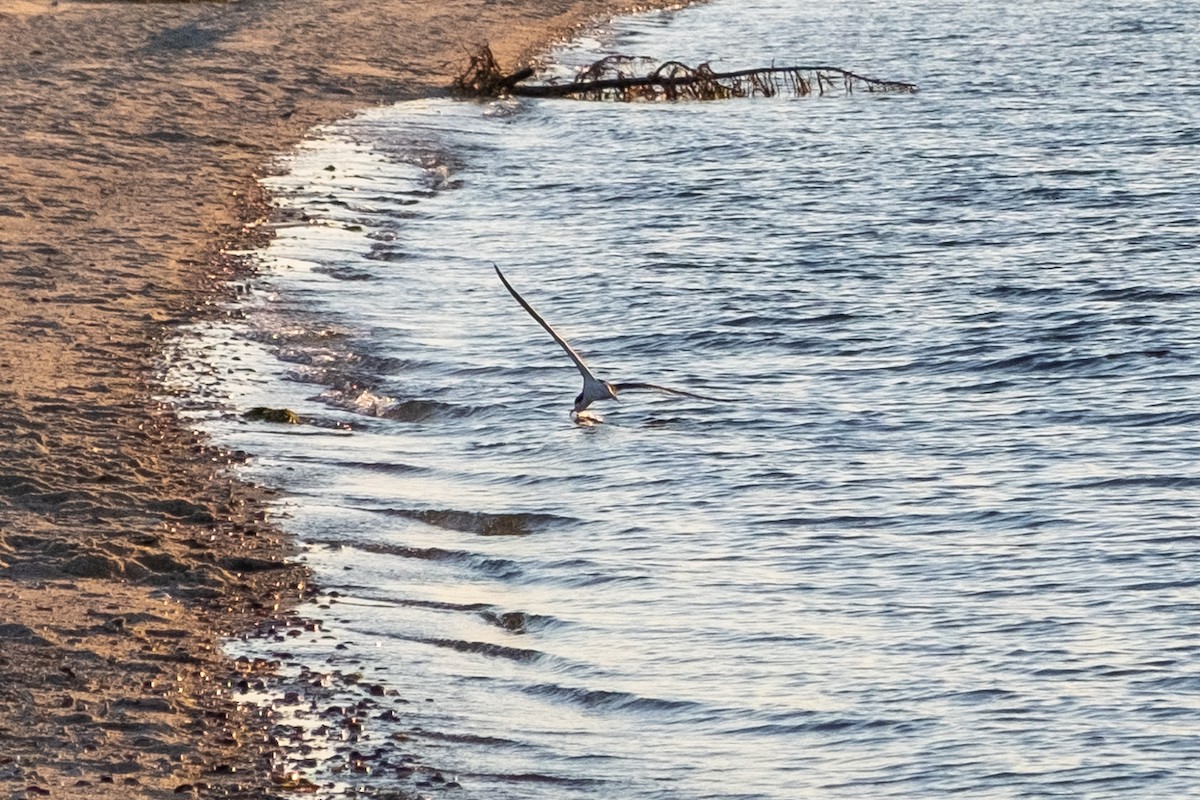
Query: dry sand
(130, 137)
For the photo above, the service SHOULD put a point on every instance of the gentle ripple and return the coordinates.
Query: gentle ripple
(943, 544)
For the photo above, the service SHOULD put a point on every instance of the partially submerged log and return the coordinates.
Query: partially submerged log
(630, 78)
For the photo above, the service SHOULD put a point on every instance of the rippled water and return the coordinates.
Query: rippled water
(945, 543)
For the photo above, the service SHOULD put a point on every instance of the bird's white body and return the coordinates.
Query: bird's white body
(594, 389)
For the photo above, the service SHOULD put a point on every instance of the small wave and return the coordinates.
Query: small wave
(1141, 294)
(365, 401)
(418, 410)
(1162, 586)
(441, 605)
(585, 580)
(1058, 363)
(1140, 481)
(609, 700)
(982, 695)
(772, 322)
(467, 738)
(520, 654)
(387, 253)
(984, 387)
(825, 725)
(479, 522)
(311, 355)
(403, 551)
(1174, 684)
(343, 273)
(856, 521)
(386, 467)
(342, 366)
(502, 568)
(1008, 290)
(750, 321)
(538, 778)
(1139, 25)
(1001, 519)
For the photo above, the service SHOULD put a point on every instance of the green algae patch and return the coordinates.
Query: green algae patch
(281, 415)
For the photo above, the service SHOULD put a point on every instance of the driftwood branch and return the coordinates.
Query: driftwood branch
(484, 78)
(637, 78)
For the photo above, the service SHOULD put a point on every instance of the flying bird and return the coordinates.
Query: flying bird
(593, 388)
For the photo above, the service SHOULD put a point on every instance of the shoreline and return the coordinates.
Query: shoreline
(133, 137)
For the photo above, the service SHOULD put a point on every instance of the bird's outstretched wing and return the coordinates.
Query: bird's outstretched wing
(651, 387)
(583, 368)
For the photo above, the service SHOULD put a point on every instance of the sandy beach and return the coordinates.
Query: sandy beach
(131, 135)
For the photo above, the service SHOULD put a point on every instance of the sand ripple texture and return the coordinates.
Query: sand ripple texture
(945, 542)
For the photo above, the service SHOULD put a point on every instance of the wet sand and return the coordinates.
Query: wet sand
(131, 135)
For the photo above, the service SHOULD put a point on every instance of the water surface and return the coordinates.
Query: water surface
(945, 542)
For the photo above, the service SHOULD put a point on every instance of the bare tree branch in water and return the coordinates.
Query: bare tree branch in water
(628, 78)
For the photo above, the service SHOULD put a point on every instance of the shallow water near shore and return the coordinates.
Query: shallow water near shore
(944, 542)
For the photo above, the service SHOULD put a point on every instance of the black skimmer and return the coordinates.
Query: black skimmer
(594, 388)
